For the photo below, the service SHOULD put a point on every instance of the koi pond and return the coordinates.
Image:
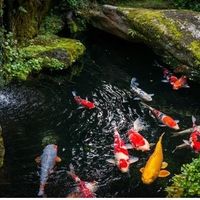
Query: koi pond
(42, 111)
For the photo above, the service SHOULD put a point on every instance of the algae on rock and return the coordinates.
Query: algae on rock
(173, 34)
(51, 53)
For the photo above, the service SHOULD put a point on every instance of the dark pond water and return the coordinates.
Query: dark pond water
(37, 112)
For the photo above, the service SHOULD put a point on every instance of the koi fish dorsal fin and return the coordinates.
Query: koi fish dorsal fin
(142, 169)
(163, 173)
(58, 159)
(164, 165)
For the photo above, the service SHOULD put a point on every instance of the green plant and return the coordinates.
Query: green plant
(15, 64)
(186, 184)
(52, 24)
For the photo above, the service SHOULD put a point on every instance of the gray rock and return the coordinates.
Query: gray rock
(172, 34)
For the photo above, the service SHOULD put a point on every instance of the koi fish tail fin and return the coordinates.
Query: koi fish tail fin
(146, 106)
(133, 82)
(138, 125)
(193, 121)
(74, 93)
(160, 138)
(41, 191)
(72, 173)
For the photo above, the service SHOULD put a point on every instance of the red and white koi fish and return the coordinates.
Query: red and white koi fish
(83, 102)
(176, 83)
(137, 141)
(194, 140)
(163, 118)
(84, 189)
(48, 160)
(122, 159)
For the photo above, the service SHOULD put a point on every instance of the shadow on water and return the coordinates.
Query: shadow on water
(42, 111)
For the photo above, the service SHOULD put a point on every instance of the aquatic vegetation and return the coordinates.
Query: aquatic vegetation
(186, 184)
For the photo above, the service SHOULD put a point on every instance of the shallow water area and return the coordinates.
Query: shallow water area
(43, 111)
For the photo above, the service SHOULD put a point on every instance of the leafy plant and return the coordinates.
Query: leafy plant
(186, 184)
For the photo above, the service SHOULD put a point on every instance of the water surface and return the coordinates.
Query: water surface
(41, 111)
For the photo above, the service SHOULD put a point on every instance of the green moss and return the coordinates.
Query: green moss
(52, 24)
(72, 47)
(54, 53)
(195, 48)
(153, 21)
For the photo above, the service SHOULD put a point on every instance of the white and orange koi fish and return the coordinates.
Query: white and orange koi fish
(176, 83)
(163, 118)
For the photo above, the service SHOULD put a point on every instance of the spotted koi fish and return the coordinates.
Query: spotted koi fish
(162, 118)
(194, 139)
(122, 159)
(84, 189)
(176, 83)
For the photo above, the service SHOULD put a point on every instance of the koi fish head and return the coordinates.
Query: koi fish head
(145, 147)
(170, 122)
(92, 186)
(176, 127)
(90, 105)
(147, 180)
(123, 165)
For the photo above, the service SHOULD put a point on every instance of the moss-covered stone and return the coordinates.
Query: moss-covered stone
(72, 49)
(195, 48)
(173, 34)
(51, 53)
(2, 149)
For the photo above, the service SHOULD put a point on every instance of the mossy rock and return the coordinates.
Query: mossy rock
(173, 34)
(45, 52)
(66, 51)
(2, 149)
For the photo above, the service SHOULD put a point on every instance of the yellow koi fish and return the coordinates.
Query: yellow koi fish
(155, 163)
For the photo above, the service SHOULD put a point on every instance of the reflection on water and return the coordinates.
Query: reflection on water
(39, 112)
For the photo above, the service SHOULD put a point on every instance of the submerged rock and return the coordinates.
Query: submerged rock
(173, 34)
(2, 149)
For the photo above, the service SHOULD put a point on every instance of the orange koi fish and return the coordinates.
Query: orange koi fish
(163, 118)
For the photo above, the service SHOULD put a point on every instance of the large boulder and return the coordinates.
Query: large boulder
(172, 34)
